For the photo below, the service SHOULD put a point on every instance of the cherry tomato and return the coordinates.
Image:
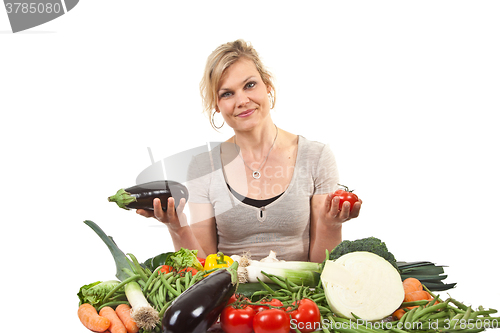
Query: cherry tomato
(271, 321)
(306, 317)
(165, 269)
(237, 320)
(273, 302)
(345, 195)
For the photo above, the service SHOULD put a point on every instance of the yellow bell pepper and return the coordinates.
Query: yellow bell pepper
(218, 260)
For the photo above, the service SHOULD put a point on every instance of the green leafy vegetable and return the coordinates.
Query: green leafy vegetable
(184, 258)
(94, 293)
(156, 261)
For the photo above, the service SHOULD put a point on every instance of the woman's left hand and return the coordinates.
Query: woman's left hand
(331, 214)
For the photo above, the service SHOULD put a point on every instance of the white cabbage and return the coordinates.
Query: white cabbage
(362, 283)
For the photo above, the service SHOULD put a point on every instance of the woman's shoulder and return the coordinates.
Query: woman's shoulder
(312, 146)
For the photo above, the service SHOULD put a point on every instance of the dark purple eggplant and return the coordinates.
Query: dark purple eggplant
(141, 196)
(197, 308)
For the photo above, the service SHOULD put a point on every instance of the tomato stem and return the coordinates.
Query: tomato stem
(345, 188)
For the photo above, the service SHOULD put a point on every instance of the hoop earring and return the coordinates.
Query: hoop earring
(213, 123)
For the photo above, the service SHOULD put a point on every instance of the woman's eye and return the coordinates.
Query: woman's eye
(226, 94)
(250, 84)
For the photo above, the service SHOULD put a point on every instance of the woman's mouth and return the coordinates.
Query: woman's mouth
(245, 113)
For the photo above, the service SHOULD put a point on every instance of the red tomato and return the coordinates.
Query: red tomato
(273, 302)
(166, 269)
(237, 297)
(271, 321)
(345, 195)
(183, 271)
(306, 317)
(239, 320)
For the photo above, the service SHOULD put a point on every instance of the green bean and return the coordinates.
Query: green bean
(318, 295)
(112, 304)
(166, 283)
(156, 286)
(299, 296)
(286, 291)
(178, 285)
(195, 278)
(414, 303)
(410, 316)
(138, 267)
(455, 320)
(319, 300)
(161, 290)
(460, 305)
(291, 286)
(120, 285)
(265, 286)
(484, 312)
(430, 309)
(397, 330)
(437, 315)
(322, 308)
(187, 277)
(164, 308)
(151, 277)
(274, 279)
(158, 300)
(467, 314)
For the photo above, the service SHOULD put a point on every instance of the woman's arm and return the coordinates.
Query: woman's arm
(326, 224)
(203, 227)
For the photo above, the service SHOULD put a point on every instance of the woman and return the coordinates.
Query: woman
(264, 188)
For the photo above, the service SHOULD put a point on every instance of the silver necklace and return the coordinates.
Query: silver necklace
(256, 173)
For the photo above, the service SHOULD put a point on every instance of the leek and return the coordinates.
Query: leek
(143, 314)
(298, 272)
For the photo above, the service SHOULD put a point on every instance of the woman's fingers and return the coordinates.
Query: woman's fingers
(145, 213)
(180, 207)
(158, 211)
(355, 209)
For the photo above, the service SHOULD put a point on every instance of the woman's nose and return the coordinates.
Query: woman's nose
(242, 99)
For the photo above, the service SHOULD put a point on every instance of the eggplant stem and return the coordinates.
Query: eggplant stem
(122, 198)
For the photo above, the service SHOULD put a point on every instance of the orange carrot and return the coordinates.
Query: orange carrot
(416, 296)
(412, 284)
(116, 324)
(91, 320)
(398, 314)
(123, 312)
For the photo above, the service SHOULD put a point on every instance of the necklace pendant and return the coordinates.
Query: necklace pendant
(256, 175)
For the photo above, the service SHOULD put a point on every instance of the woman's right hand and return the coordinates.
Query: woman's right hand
(173, 218)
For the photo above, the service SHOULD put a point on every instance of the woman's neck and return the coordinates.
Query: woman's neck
(256, 143)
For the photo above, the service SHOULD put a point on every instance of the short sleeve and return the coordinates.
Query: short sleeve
(326, 176)
(199, 176)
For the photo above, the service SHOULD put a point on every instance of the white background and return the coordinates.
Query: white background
(405, 92)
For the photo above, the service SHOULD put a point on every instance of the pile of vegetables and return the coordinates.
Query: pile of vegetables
(145, 293)
(360, 287)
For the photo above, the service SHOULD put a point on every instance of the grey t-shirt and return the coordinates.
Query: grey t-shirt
(283, 225)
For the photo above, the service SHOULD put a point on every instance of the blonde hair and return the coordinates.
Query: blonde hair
(220, 59)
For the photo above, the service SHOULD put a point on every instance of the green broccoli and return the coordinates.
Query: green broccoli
(370, 244)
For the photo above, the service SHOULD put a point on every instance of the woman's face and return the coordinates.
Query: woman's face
(243, 97)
